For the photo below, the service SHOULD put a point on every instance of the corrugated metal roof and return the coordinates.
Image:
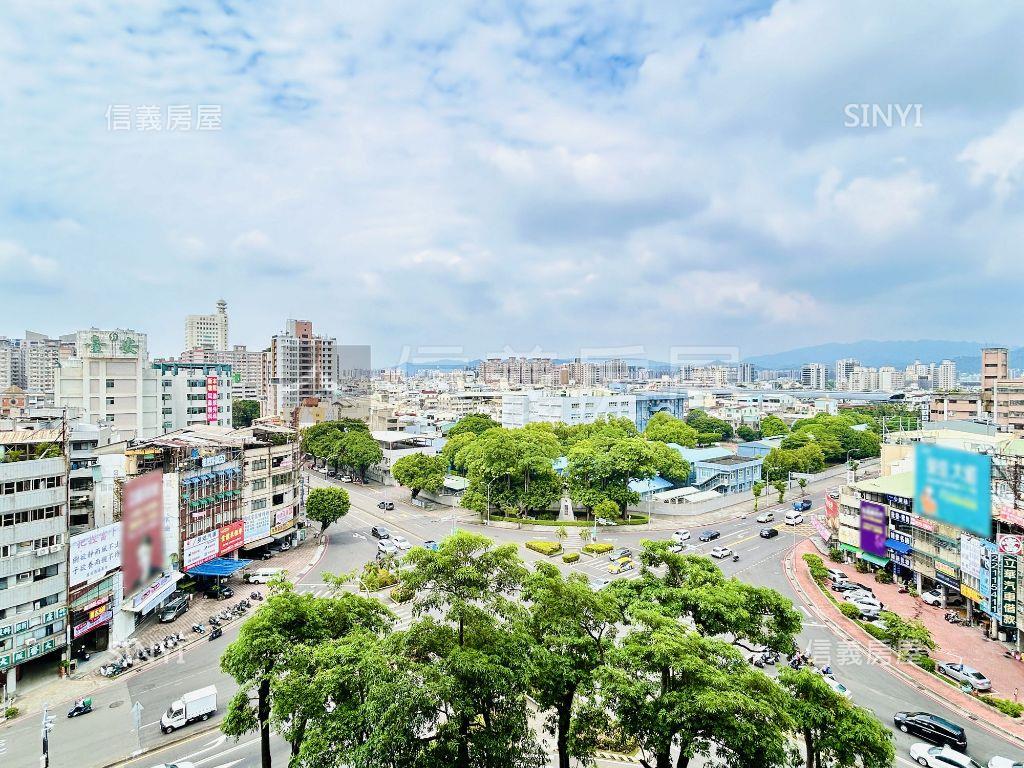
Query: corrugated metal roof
(21, 436)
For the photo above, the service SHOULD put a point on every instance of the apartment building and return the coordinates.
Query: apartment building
(246, 367)
(844, 367)
(272, 486)
(569, 407)
(814, 376)
(208, 330)
(298, 365)
(111, 381)
(194, 394)
(516, 371)
(33, 546)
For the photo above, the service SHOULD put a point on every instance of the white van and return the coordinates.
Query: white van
(794, 518)
(263, 575)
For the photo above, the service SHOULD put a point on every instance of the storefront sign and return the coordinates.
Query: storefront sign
(919, 522)
(970, 556)
(230, 537)
(139, 602)
(94, 553)
(873, 528)
(1005, 511)
(213, 461)
(142, 529)
(821, 529)
(941, 567)
(200, 549)
(954, 486)
(831, 506)
(283, 520)
(1009, 590)
(96, 618)
(947, 580)
(970, 593)
(1010, 544)
(257, 525)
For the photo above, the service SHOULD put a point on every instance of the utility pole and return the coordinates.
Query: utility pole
(46, 727)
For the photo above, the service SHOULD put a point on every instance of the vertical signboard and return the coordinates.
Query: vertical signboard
(954, 486)
(1009, 590)
(212, 408)
(142, 530)
(873, 528)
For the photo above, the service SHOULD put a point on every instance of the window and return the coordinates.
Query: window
(110, 401)
(110, 383)
(258, 504)
(259, 485)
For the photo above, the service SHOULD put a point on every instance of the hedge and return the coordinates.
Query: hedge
(571, 557)
(1007, 707)
(402, 594)
(548, 548)
(925, 663)
(876, 632)
(374, 578)
(598, 547)
(849, 610)
(11, 712)
(633, 520)
(817, 567)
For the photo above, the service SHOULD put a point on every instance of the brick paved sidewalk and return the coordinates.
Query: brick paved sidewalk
(953, 643)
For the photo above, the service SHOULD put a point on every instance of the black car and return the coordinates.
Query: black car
(387, 505)
(709, 536)
(219, 592)
(932, 728)
(850, 586)
(380, 532)
(769, 533)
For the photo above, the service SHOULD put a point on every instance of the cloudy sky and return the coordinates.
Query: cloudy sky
(515, 176)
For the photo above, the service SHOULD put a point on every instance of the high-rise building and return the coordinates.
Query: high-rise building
(246, 376)
(612, 370)
(297, 366)
(11, 364)
(516, 371)
(945, 378)
(41, 356)
(814, 375)
(844, 367)
(745, 373)
(995, 366)
(208, 330)
(889, 379)
(194, 394)
(111, 381)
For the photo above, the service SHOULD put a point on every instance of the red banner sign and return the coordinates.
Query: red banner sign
(230, 537)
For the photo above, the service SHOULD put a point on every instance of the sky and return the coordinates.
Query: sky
(464, 179)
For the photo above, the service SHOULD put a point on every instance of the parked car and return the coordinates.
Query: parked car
(596, 584)
(720, 552)
(967, 675)
(263, 575)
(932, 728)
(863, 599)
(380, 532)
(386, 547)
(219, 592)
(769, 533)
(173, 609)
(1004, 762)
(401, 542)
(802, 505)
(178, 764)
(793, 518)
(431, 545)
(850, 586)
(709, 535)
(765, 517)
(621, 565)
(618, 554)
(346, 478)
(838, 687)
(605, 521)
(934, 597)
(941, 757)
(386, 505)
(836, 575)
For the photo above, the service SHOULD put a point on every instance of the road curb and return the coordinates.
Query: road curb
(173, 742)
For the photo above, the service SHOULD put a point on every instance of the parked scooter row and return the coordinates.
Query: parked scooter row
(764, 659)
(117, 667)
(954, 618)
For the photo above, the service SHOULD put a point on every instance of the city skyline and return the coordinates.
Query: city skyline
(544, 172)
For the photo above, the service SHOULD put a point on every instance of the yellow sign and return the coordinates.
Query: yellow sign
(970, 593)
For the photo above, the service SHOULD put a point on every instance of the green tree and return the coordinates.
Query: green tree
(452, 449)
(324, 440)
(244, 413)
(746, 433)
(419, 472)
(607, 509)
(669, 463)
(772, 425)
(601, 468)
(780, 488)
(757, 489)
(906, 636)
(572, 628)
(511, 468)
(703, 423)
(561, 534)
(477, 423)
(802, 482)
(835, 733)
(360, 451)
(666, 428)
(327, 506)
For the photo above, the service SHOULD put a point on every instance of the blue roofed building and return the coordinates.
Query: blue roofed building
(693, 455)
(759, 448)
(647, 488)
(727, 474)
(650, 403)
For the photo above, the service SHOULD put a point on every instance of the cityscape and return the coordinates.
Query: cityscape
(742, 487)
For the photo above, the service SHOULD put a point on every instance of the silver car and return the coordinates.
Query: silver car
(386, 547)
(967, 675)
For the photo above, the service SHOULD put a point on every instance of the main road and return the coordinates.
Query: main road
(106, 736)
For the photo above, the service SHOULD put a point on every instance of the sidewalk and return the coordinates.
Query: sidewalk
(87, 679)
(954, 643)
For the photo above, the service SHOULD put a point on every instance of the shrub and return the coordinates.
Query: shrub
(861, 566)
(835, 554)
(402, 594)
(374, 577)
(1007, 707)
(11, 712)
(925, 663)
(876, 632)
(849, 610)
(817, 568)
(571, 557)
(548, 548)
(882, 576)
(598, 547)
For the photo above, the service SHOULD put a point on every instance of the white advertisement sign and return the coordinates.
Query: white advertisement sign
(283, 516)
(200, 549)
(971, 551)
(93, 553)
(257, 525)
(1010, 544)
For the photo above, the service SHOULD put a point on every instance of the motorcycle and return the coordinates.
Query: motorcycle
(82, 707)
(214, 621)
(735, 558)
(256, 596)
(215, 633)
(199, 629)
(143, 654)
(157, 649)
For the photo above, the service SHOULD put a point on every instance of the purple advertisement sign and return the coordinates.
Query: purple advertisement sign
(874, 524)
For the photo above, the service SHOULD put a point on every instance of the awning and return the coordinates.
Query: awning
(897, 546)
(849, 547)
(219, 566)
(154, 594)
(279, 536)
(874, 559)
(258, 543)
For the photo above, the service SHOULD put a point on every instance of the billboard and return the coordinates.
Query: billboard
(230, 537)
(874, 526)
(92, 554)
(954, 486)
(212, 408)
(1010, 544)
(142, 530)
(257, 525)
(199, 550)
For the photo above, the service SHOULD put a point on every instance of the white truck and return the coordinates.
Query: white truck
(192, 706)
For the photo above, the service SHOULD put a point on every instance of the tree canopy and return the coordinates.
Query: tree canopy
(475, 423)
(327, 506)
(419, 472)
(709, 425)
(666, 428)
(771, 425)
(244, 413)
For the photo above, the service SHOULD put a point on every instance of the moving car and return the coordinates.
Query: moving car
(964, 674)
(386, 547)
(605, 521)
(937, 730)
(802, 505)
(173, 610)
(941, 757)
(401, 542)
(262, 575)
(768, 533)
(1004, 762)
(346, 478)
(192, 706)
(678, 549)
(765, 517)
(621, 565)
(838, 687)
(934, 597)
(431, 545)
(380, 532)
(680, 536)
(709, 535)
(720, 552)
(793, 518)
(386, 505)
(618, 554)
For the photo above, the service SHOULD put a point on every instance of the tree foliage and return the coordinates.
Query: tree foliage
(771, 425)
(325, 441)
(419, 472)
(327, 506)
(513, 468)
(666, 428)
(474, 423)
(747, 433)
(244, 413)
(709, 425)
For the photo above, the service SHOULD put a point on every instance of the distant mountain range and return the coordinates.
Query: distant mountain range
(966, 354)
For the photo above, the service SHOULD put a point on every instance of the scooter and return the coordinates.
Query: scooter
(157, 649)
(256, 596)
(735, 558)
(215, 633)
(82, 707)
(199, 629)
(214, 621)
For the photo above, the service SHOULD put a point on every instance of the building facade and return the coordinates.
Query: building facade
(208, 330)
(194, 394)
(298, 365)
(650, 403)
(814, 376)
(572, 407)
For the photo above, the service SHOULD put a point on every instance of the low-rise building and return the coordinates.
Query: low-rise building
(727, 474)
(568, 407)
(394, 445)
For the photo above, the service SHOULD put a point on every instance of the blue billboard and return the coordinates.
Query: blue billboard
(954, 487)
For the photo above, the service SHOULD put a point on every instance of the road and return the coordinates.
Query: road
(106, 735)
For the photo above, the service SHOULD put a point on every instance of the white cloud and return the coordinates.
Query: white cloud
(881, 206)
(998, 158)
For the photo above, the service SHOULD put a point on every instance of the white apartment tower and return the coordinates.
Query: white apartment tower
(298, 365)
(208, 330)
(844, 369)
(946, 378)
(814, 376)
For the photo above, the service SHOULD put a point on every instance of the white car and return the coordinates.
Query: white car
(678, 549)
(793, 518)
(1004, 762)
(765, 517)
(838, 687)
(940, 757)
(346, 478)
(837, 576)
(720, 552)
(680, 536)
(386, 547)
(401, 542)
(863, 599)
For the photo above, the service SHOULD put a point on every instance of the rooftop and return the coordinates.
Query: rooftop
(901, 485)
(731, 459)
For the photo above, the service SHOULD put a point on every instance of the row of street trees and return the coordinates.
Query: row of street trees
(342, 443)
(654, 662)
